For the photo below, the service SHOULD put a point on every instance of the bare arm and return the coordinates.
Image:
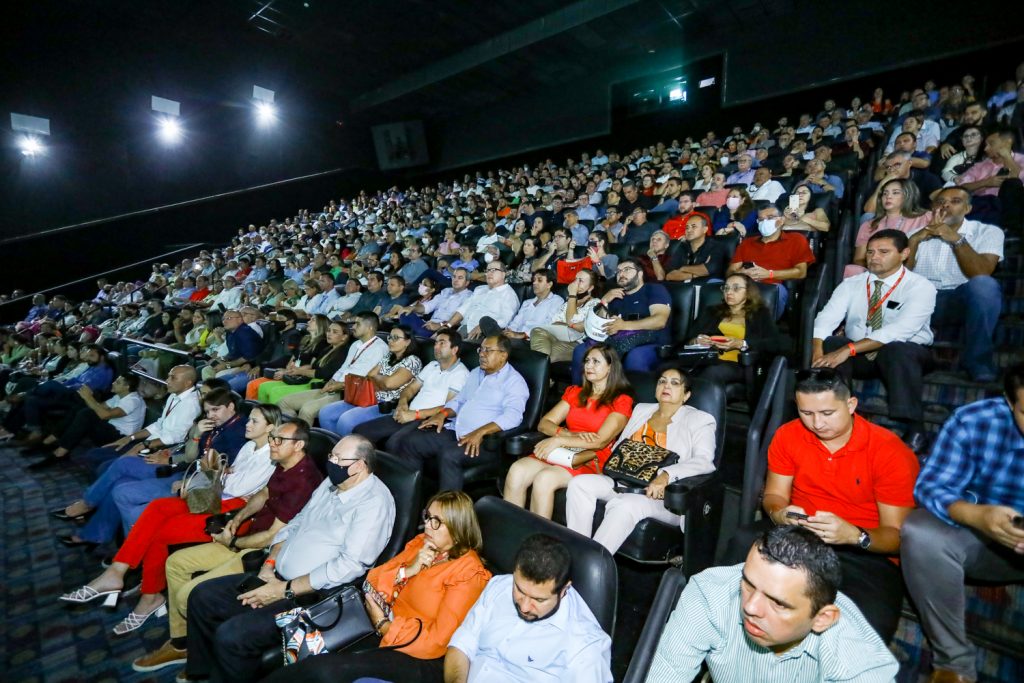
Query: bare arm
(456, 666)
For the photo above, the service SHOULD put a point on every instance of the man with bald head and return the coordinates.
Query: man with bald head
(141, 454)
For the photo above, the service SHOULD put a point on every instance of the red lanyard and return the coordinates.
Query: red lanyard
(171, 405)
(867, 286)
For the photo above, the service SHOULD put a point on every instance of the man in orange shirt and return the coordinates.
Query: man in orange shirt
(849, 481)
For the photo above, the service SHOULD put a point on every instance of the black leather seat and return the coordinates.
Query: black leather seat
(770, 412)
(406, 485)
(321, 441)
(684, 300)
(594, 574)
(671, 587)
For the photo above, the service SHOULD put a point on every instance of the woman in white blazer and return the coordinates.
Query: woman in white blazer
(670, 423)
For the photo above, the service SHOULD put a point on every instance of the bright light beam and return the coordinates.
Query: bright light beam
(30, 146)
(265, 113)
(170, 130)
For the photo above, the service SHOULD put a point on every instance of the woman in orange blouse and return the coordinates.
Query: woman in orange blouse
(593, 416)
(416, 600)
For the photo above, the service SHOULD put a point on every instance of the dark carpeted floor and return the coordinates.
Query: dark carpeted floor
(42, 639)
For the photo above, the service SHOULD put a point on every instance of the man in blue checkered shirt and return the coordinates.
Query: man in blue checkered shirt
(971, 520)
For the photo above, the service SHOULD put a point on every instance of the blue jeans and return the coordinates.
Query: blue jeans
(641, 359)
(238, 381)
(417, 324)
(124, 488)
(780, 309)
(977, 304)
(341, 418)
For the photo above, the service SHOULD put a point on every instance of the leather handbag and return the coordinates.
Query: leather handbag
(202, 488)
(331, 625)
(634, 464)
(359, 391)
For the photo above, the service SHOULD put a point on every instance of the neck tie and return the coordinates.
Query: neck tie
(875, 319)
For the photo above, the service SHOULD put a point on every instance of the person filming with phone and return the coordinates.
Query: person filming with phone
(971, 520)
(847, 480)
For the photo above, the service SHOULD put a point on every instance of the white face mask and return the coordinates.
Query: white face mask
(488, 257)
(766, 226)
(733, 203)
(423, 289)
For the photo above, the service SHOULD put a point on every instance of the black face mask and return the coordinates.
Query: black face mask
(337, 474)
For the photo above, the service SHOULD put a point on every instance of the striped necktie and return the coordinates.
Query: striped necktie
(875, 319)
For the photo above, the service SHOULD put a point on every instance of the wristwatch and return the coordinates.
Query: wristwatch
(960, 242)
(864, 540)
(289, 594)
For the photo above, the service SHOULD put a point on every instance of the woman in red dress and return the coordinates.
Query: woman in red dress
(580, 430)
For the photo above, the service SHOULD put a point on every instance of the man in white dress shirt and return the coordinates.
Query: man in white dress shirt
(497, 300)
(334, 540)
(546, 632)
(886, 313)
(958, 256)
(534, 312)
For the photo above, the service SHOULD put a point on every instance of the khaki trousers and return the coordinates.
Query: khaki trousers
(209, 560)
(306, 404)
(548, 344)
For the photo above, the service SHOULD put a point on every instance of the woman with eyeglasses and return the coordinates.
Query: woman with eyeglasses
(167, 521)
(396, 370)
(972, 138)
(579, 428)
(898, 205)
(415, 601)
(740, 322)
(670, 424)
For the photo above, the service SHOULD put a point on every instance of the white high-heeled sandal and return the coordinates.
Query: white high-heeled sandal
(135, 621)
(86, 594)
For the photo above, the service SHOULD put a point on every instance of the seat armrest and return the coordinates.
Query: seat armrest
(494, 441)
(523, 444)
(748, 358)
(682, 494)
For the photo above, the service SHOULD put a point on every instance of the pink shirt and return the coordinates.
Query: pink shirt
(715, 198)
(987, 169)
(904, 224)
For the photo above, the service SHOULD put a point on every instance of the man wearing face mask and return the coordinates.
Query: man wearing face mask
(546, 631)
(333, 540)
(774, 256)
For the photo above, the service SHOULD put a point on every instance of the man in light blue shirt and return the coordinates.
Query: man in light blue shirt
(778, 617)
(492, 400)
(327, 296)
(545, 633)
(440, 308)
(577, 230)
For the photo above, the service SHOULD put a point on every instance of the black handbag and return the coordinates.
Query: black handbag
(633, 465)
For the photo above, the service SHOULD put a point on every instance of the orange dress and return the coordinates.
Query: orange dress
(441, 596)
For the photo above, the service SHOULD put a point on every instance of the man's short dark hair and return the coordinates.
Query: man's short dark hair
(398, 277)
(898, 237)
(1013, 382)
(301, 429)
(502, 342)
(629, 260)
(132, 380)
(370, 319)
(547, 274)
(542, 558)
(215, 383)
(798, 548)
(913, 136)
(221, 397)
(820, 380)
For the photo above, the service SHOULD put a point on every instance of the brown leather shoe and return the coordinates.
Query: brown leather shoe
(943, 676)
(167, 655)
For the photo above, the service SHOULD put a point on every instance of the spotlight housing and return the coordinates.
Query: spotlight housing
(265, 113)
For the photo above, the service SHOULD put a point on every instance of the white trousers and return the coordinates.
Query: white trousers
(622, 511)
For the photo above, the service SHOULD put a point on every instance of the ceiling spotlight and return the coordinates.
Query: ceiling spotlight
(265, 113)
(170, 130)
(30, 146)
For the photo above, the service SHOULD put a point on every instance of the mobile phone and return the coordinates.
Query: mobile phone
(1018, 521)
(145, 451)
(718, 338)
(796, 515)
(249, 583)
(748, 264)
(794, 201)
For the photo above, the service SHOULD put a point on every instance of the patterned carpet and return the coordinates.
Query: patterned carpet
(41, 639)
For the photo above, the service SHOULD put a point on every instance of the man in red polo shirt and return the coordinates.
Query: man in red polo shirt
(849, 481)
(774, 256)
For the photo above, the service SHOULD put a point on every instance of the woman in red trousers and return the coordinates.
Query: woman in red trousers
(167, 521)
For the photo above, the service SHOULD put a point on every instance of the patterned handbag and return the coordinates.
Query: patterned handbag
(634, 464)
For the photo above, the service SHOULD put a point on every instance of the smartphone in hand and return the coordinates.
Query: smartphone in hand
(796, 515)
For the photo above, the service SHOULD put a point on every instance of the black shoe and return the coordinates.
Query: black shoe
(63, 516)
(917, 441)
(72, 543)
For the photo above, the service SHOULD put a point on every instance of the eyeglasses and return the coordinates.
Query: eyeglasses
(495, 270)
(392, 338)
(827, 376)
(484, 351)
(277, 440)
(733, 288)
(433, 521)
(625, 269)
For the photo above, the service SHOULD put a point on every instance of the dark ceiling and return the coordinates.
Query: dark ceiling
(341, 52)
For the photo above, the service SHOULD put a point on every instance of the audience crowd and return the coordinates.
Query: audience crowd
(405, 320)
